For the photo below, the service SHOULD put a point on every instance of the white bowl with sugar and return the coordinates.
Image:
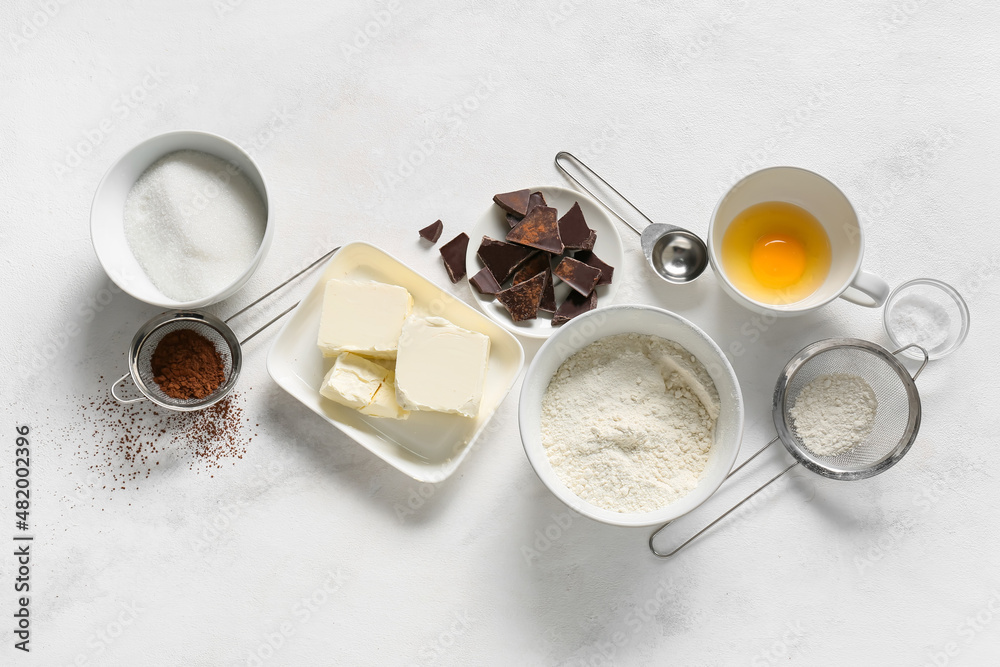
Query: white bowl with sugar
(182, 220)
(603, 323)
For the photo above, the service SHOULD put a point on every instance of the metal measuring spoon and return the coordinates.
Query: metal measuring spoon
(675, 254)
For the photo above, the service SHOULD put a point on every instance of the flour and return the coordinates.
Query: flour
(628, 422)
(834, 413)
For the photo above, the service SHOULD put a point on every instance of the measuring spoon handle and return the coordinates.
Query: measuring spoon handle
(565, 156)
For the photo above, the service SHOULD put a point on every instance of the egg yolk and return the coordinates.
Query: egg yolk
(778, 260)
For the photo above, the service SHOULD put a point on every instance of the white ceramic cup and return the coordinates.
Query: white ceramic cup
(107, 227)
(826, 203)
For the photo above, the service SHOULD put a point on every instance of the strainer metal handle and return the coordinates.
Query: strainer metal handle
(921, 350)
(652, 537)
(660, 554)
(124, 401)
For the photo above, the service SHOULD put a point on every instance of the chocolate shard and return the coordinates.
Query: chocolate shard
(453, 254)
(536, 199)
(539, 229)
(485, 282)
(581, 277)
(512, 220)
(575, 304)
(573, 230)
(502, 258)
(513, 202)
(536, 264)
(432, 232)
(589, 258)
(522, 300)
(548, 302)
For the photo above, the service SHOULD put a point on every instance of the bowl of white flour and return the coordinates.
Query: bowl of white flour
(631, 415)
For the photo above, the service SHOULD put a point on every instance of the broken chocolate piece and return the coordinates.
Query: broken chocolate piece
(502, 258)
(432, 232)
(589, 258)
(485, 282)
(512, 220)
(513, 202)
(536, 264)
(574, 232)
(581, 277)
(575, 304)
(522, 299)
(539, 229)
(536, 199)
(453, 254)
(548, 302)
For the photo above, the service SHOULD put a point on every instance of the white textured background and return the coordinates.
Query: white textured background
(895, 100)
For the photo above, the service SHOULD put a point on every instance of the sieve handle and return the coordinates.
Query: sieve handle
(123, 401)
(326, 256)
(922, 351)
(660, 554)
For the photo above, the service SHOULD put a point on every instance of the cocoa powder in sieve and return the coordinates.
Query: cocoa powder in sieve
(186, 365)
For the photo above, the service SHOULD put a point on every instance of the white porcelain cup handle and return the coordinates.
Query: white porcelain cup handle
(873, 290)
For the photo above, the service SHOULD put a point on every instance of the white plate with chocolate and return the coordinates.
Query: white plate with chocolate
(541, 256)
(395, 362)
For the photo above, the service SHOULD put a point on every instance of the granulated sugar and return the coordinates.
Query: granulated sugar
(194, 223)
(834, 413)
(628, 422)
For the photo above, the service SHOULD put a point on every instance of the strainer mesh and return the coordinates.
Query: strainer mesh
(889, 432)
(146, 382)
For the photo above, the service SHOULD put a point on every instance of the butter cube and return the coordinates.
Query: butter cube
(366, 386)
(353, 381)
(441, 367)
(384, 403)
(364, 317)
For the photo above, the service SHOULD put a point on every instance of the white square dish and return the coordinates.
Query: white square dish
(429, 446)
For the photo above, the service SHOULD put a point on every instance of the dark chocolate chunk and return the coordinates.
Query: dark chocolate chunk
(485, 282)
(512, 220)
(539, 229)
(522, 299)
(574, 232)
(453, 254)
(536, 199)
(513, 202)
(548, 302)
(536, 264)
(589, 258)
(432, 232)
(502, 258)
(575, 304)
(581, 277)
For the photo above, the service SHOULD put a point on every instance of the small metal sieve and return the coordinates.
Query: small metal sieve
(218, 332)
(140, 355)
(897, 418)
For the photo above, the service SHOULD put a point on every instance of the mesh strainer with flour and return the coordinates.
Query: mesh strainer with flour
(897, 419)
(218, 332)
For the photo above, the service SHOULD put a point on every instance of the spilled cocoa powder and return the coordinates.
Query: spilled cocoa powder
(122, 445)
(187, 365)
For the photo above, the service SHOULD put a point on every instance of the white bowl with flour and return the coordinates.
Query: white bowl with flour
(167, 221)
(646, 321)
